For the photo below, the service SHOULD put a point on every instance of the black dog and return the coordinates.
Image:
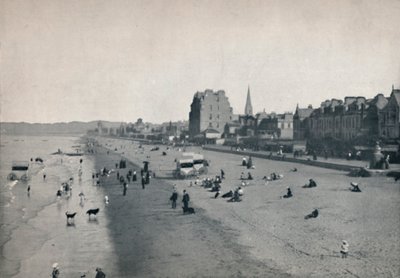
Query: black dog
(188, 210)
(70, 216)
(93, 211)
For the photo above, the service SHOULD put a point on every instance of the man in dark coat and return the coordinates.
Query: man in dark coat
(100, 273)
(173, 198)
(185, 200)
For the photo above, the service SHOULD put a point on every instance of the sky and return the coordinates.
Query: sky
(84, 60)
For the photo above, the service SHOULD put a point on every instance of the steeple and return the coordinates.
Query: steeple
(248, 109)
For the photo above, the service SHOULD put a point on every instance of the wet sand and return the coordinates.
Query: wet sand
(274, 230)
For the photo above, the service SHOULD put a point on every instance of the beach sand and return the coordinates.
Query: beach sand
(140, 235)
(153, 240)
(272, 231)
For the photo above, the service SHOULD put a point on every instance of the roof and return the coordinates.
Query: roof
(304, 112)
(379, 101)
(396, 94)
(210, 130)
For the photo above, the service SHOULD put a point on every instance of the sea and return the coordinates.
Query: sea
(33, 226)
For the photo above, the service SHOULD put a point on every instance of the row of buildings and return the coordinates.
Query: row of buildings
(167, 131)
(211, 117)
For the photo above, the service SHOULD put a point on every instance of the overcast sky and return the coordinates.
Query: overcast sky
(120, 60)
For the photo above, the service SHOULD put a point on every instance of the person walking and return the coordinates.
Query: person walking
(222, 174)
(173, 198)
(185, 200)
(100, 273)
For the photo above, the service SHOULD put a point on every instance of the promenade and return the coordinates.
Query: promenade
(330, 163)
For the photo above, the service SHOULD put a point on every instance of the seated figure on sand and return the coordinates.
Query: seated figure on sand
(288, 194)
(273, 177)
(313, 214)
(310, 184)
(237, 195)
(228, 194)
(354, 187)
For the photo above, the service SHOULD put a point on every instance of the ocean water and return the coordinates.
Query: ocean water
(31, 224)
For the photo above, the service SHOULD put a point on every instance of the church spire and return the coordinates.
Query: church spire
(248, 109)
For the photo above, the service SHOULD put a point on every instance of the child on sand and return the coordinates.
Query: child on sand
(344, 249)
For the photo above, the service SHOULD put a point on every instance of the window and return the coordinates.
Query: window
(210, 107)
(210, 116)
(210, 124)
(218, 116)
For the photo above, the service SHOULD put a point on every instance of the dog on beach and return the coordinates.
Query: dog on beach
(70, 216)
(93, 211)
(188, 210)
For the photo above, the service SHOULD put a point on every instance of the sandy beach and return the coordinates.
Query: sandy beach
(273, 231)
(140, 235)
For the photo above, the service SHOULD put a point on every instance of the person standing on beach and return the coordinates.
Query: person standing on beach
(143, 181)
(344, 249)
(44, 176)
(173, 198)
(134, 178)
(222, 174)
(185, 200)
(125, 188)
(29, 190)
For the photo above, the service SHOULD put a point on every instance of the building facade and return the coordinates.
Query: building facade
(209, 110)
(300, 122)
(389, 117)
(278, 126)
(355, 117)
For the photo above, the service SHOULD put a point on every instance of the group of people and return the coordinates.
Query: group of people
(55, 273)
(185, 199)
(247, 162)
(249, 176)
(273, 177)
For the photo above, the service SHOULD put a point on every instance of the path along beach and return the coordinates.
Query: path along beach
(139, 235)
